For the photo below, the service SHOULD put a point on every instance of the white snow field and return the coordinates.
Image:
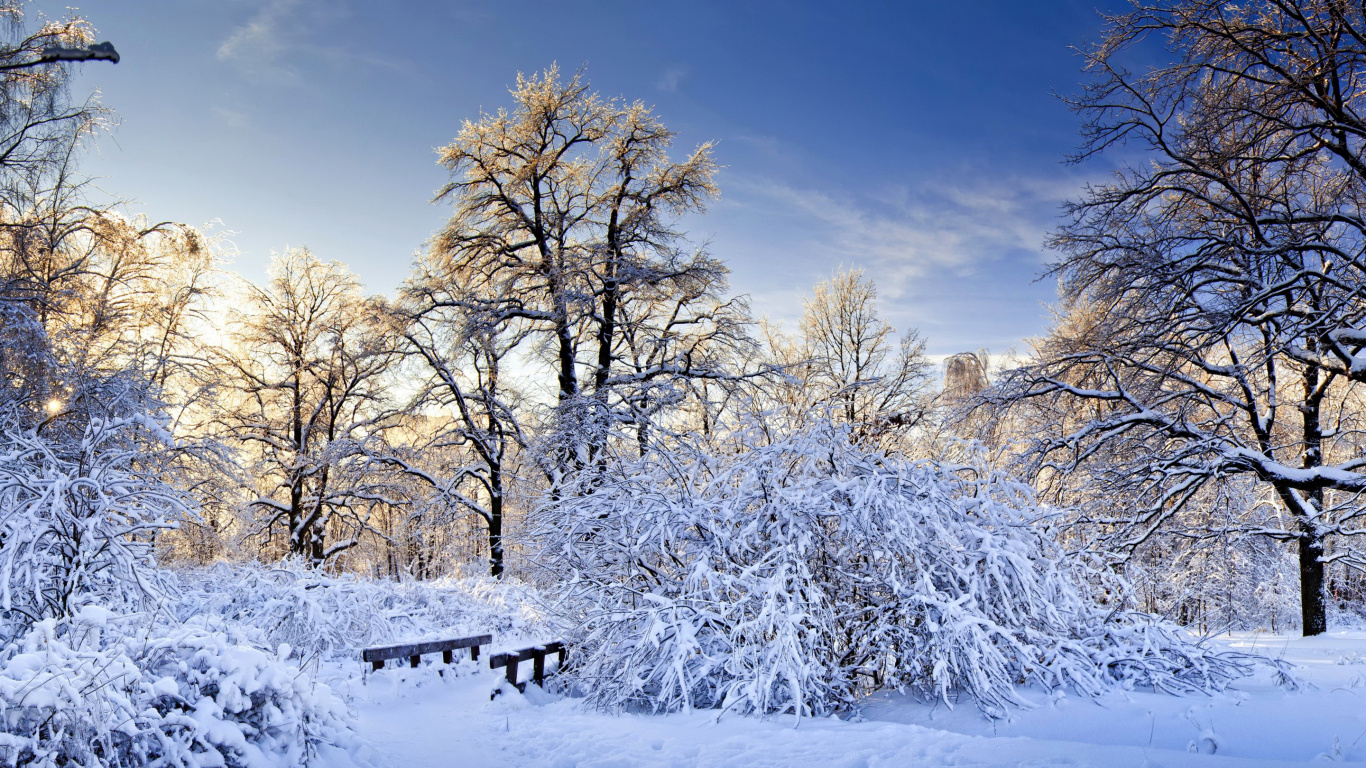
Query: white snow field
(420, 718)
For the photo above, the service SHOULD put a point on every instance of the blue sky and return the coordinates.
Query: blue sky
(919, 141)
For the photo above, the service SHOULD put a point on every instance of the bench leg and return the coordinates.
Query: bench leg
(512, 671)
(538, 667)
(474, 653)
(446, 657)
(413, 661)
(376, 666)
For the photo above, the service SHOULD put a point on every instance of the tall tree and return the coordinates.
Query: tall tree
(93, 314)
(483, 440)
(876, 384)
(310, 364)
(847, 363)
(563, 233)
(1212, 290)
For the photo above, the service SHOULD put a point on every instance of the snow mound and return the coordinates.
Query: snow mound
(115, 693)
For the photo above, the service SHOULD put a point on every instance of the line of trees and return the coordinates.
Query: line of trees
(401, 436)
(1194, 412)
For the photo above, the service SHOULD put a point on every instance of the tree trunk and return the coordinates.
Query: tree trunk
(607, 329)
(1312, 610)
(316, 549)
(296, 519)
(1314, 620)
(496, 527)
(569, 385)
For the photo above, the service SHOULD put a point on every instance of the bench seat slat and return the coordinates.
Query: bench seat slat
(420, 649)
(536, 653)
(503, 659)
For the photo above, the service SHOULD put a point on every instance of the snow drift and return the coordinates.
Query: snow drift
(796, 577)
(323, 617)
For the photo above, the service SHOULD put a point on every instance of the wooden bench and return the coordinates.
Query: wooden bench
(536, 653)
(414, 651)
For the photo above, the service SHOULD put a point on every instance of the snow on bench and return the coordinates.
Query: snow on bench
(414, 651)
(536, 653)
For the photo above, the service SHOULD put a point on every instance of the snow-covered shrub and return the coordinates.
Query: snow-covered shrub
(77, 517)
(796, 576)
(333, 617)
(91, 691)
(78, 512)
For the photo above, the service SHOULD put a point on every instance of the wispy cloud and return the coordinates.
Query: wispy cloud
(672, 78)
(273, 42)
(904, 233)
(953, 256)
(257, 48)
(231, 117)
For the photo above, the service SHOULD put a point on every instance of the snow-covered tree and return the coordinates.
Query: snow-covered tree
(95, 314)
(111, 293)
(310, 367)
(477, 451)
(41, 127)
(77, 518)
(95, 333)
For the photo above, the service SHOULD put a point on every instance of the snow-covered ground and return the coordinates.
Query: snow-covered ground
(419, 718)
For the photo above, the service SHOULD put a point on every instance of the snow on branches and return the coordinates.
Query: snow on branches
(796, 577)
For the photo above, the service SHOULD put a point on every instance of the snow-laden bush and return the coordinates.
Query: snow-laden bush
(91, 691)
(797, 576)
(333, 617)
(78, 512)
(77, 518)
